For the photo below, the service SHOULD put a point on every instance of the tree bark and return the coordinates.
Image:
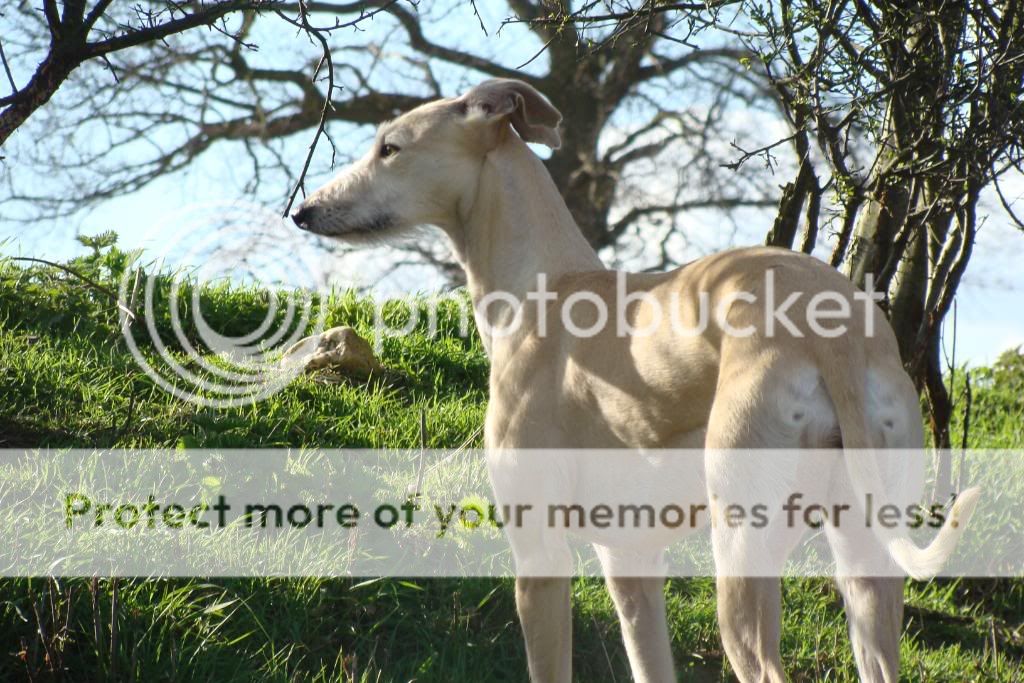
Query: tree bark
(49, 76)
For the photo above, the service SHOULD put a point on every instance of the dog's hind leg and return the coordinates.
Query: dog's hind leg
(749, 612)
(873, 598)
(867, 577)
(748, 565)
(640, 602)
(874, 611)
(754, 410)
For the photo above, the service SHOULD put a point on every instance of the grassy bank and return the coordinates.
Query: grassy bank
(67, 379)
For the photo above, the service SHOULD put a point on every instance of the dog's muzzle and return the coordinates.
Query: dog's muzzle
(303, 218)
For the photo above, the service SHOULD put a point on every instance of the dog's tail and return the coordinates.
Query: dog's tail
(846, 386)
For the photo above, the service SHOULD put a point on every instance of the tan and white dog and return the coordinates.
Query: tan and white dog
(459, 164)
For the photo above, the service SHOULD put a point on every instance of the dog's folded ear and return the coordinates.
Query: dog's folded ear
(529, 112)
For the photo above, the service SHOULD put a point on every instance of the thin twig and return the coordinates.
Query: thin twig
(479, 18)
(92, 283)
(538, 53)
(41, 631)
(97, 625)
(458, 450)
(423, 452)
(303, 23)
(114, 609)
(604, 649)
(761, 151)
(7, 69)
(1007, 205)
(968, 399)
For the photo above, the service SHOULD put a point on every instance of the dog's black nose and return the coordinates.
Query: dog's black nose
(302, 217)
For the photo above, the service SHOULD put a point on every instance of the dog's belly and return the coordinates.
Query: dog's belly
(651, 498)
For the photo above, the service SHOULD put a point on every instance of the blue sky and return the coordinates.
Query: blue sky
(990, 308)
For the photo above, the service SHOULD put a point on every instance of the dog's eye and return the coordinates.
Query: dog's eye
(387, 150)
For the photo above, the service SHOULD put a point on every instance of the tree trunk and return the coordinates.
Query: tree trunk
(906, 220)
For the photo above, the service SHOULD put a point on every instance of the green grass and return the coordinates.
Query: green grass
(67, 379)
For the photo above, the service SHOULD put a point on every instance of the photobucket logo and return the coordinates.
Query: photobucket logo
(399, 317)
(764, 308)
(223, 361)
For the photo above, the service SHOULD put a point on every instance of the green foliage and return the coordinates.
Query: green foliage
(996, 405)
(66, 379)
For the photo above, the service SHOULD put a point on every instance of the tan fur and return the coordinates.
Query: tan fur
(507, 223)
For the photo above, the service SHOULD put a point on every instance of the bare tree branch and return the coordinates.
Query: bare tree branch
(69, 48)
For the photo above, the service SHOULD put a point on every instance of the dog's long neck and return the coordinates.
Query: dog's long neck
(517, 229)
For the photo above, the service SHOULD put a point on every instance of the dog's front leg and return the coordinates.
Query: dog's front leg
(527, 484)
(640, 601)
(546, 616)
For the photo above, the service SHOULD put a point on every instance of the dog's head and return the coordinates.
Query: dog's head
(424, 166)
